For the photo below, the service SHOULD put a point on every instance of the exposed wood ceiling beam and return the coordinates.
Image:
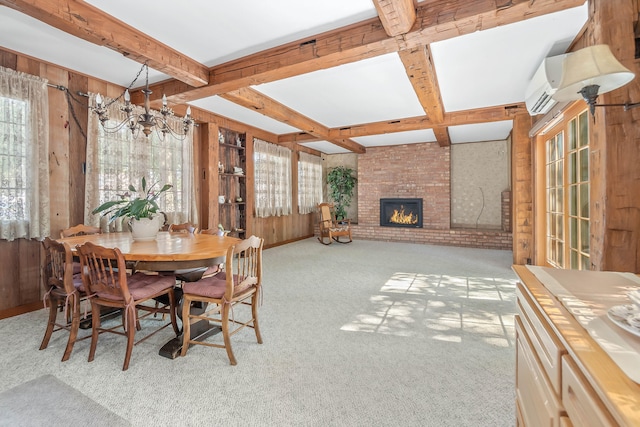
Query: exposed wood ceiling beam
(256, 101)
(93, 25)
(397, 16)
(419, 67)
(204, 116)
(343, 46)
(436, 20)
(378, 128)
(442, 136)
(297, 137)
(422, 75)
(484, 115)
(474, 116)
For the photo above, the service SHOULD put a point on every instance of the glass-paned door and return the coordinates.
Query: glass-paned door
(567, 195)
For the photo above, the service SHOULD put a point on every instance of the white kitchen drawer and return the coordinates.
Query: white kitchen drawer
(548, 348)
(580, 401)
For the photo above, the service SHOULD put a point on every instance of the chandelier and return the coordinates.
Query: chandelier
(147, 122)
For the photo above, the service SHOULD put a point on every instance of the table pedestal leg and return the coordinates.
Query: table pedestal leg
(199, 331)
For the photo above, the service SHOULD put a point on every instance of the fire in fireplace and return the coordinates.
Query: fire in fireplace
(401, 213)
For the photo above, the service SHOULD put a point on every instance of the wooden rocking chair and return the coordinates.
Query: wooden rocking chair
(330, 228)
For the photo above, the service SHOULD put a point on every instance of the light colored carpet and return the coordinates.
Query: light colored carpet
(364, 334)
(47, 401)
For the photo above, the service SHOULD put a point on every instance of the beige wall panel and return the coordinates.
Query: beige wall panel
(479, 174)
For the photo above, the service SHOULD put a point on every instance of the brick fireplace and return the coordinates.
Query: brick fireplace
(415, 171)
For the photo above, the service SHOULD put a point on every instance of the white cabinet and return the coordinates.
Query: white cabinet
(563, 378)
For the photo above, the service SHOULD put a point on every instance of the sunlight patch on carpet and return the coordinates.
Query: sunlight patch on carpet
(440, 307)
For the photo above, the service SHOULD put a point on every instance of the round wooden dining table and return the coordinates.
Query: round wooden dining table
(170, 251)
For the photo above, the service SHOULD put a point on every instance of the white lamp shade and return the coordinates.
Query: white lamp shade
(593, 65)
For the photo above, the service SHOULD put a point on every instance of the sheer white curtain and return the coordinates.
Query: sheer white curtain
(24, 149)
(115, 160)
(309, 182)
(272, 179)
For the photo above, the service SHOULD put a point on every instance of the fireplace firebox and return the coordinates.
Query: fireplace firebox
(401, 213)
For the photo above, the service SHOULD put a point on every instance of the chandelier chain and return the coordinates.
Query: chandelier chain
(145, 65)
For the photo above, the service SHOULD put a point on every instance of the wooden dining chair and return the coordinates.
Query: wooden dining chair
(239, 285)
(79, 230)
(186, 227)
(63, 289)
(111, 286)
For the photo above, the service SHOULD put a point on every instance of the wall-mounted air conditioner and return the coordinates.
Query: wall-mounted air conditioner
(543, 85)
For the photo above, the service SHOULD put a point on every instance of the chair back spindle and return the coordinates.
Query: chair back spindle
(106, 271)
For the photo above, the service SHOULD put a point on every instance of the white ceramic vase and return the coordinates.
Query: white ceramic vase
(144, 229)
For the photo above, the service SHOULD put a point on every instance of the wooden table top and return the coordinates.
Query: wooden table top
(168, 247)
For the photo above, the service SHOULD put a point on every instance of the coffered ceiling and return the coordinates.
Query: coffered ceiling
(334, 75)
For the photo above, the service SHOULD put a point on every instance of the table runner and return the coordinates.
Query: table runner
(588, 295)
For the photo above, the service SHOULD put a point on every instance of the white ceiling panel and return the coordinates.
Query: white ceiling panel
(214, 32)
(325, 147)
(493, 131)
(27, 35)
(228, 109)
(493, 67)
(370, 90)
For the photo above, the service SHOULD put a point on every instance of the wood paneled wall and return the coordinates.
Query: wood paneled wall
(614, 142)
(20, 282)
(20, 259)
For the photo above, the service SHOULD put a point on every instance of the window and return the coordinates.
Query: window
(567, 195)
(122, 163)
(116, 160)
(272, 179)
(13, 159)
(24, 146)
(309, 183)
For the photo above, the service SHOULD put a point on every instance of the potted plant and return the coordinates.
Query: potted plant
(139, 207)
(341, 183)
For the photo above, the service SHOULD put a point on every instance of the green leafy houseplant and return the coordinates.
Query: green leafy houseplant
(341, 184)
(133, 204)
